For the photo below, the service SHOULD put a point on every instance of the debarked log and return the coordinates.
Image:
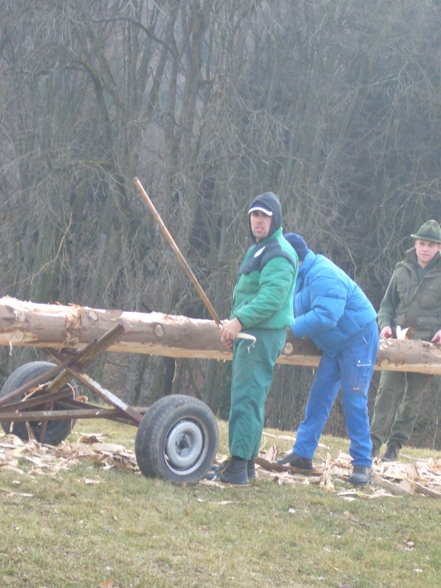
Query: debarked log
(73, 327)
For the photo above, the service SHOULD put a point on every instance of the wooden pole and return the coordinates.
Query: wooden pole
(183, 261)
(177, 252)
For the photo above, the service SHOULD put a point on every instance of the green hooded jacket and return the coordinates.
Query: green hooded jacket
(262, 297)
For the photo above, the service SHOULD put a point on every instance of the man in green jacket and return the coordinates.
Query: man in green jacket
(412, 299)
(262, 307)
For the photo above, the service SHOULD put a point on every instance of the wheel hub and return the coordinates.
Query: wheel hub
(184, 445)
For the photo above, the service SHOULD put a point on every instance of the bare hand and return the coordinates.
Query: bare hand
(228, 345)
(437, 337)
(229, 331)
(386, 333)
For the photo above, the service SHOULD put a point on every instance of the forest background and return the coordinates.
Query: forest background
(335, 105)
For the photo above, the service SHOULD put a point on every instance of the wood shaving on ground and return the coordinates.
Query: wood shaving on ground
(421, 476)
(50, 460)
(389, 479)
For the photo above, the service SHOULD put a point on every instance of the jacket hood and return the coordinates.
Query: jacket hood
(268, 201)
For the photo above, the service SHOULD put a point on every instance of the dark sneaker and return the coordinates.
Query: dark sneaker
(361, 476)
(294, 460)
(251, 470)
(233, 471)
(392, 452)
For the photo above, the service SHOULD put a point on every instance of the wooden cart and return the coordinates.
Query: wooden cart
(177, 436)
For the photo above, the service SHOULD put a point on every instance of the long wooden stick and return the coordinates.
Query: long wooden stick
(177, 251)
(183, 261)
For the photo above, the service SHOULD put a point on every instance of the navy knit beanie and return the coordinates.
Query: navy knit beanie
(298, 244)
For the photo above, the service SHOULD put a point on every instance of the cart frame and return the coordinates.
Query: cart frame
(177, 436)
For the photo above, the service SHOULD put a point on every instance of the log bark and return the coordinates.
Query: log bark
(73, 327)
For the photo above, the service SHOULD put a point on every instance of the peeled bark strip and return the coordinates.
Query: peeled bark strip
(73, 326)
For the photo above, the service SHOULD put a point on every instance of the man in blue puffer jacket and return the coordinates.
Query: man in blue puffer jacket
(335, 313)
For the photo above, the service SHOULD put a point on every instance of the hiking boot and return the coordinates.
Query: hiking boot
(361, 475)
(392, 452)
(294, 460)
(251, 470)
(233, 471)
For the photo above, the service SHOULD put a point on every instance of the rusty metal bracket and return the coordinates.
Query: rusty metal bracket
(111, 398)
(69, 364)
(88, 412)
(83, 358)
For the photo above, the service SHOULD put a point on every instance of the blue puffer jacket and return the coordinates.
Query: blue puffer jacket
(329, 307)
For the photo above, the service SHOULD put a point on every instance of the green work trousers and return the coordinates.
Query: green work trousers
(252, 374)
(398, 401)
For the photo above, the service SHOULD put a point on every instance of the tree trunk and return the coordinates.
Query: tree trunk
(46, 325)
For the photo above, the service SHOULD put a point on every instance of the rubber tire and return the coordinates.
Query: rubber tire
(170, 421)
(56, 431)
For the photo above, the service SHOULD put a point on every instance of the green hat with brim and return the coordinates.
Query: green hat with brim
(430, 231)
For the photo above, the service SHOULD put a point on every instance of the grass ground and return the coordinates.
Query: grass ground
(90, 527)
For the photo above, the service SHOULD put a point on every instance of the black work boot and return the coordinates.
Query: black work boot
(233, 471)
(294, 460)
(361, 475)
(392, 452)
(251, 470)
